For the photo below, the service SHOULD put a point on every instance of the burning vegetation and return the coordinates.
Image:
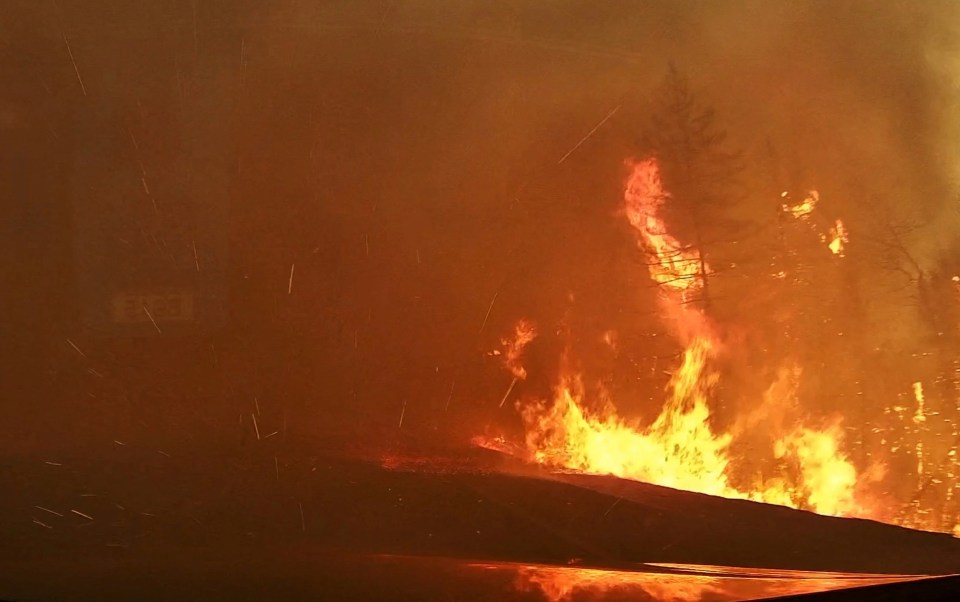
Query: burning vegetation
(777, 448)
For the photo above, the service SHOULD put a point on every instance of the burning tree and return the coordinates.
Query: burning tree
(684, 136)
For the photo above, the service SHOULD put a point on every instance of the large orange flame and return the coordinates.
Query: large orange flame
(678, 449)
(676, 267)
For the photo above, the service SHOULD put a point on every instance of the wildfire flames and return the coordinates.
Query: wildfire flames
(680, 448)
(774, 453)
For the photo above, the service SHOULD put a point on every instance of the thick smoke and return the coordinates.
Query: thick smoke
(406, 156)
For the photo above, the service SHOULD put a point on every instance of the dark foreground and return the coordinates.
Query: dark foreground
(150, 526)
(302, 573)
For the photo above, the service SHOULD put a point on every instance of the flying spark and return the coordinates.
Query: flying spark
(612, 506)
(509, 389)
(489, 309)
(76, 348)
(590, 133)
(54, 512)
(453, 383)
(149, 315)
(72, 60)
(243, 43)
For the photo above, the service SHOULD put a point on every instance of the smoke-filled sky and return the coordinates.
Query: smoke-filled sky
(411, 160)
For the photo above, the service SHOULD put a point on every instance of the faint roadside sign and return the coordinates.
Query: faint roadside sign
(132, 307)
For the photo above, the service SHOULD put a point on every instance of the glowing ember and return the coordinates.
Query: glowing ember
(919, 416)
(838, 238)
(804, 208)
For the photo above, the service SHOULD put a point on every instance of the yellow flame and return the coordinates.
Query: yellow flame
(829, 478)
(678, 449)
(673, 265)
(681, 450)
(838, 238)
(920, 415)
(560, 584)
(804, 208)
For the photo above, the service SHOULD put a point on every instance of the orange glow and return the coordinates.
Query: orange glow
(920, 415)
(679, 583)
(561, 583)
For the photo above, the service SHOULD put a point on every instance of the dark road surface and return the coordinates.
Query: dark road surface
(148, 526)
(301, 574)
